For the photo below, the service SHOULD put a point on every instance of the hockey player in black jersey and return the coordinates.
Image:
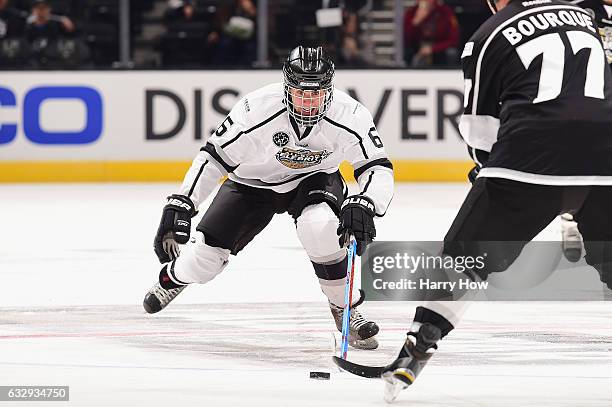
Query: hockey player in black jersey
(281, 147)
(601, 10)
(538, 122)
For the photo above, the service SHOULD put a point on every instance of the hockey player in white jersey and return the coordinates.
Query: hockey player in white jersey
(281, 147)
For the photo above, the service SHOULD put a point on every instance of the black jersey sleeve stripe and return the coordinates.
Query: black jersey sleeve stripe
(367, 183)
(383, 162)
(210, 149)
(380, 215)
(479, 157)
(268, 120)
(195, 181)
(327, 119)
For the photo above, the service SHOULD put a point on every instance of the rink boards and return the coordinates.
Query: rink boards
(147, 126)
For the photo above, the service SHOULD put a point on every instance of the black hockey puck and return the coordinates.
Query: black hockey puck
(320, 375)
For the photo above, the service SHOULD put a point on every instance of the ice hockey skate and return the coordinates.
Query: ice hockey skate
(362, 333)
(416, 352)
(572, 239)
(162, 293)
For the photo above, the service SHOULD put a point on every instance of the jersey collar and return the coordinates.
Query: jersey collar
(296, 129)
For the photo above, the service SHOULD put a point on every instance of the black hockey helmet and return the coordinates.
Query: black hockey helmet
(309, 77)
(492, 5)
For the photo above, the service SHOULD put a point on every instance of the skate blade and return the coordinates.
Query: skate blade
(335, 348)
(393, 387)
(395, 382)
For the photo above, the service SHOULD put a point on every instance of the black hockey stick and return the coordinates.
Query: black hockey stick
(370, 372)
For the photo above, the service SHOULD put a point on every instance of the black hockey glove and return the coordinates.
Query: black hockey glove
(174, 227)
(473, 174)
(357, 219)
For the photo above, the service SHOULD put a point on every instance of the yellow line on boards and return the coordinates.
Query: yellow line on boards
(159, 171)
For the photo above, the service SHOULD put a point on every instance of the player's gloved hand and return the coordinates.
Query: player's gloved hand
(473, 174)
(357, 219)
(174, 227)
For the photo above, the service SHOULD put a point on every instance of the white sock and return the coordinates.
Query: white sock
(334, 291)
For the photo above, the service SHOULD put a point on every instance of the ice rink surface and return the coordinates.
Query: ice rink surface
(77, 259)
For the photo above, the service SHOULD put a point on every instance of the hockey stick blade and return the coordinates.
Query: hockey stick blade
(370, 372)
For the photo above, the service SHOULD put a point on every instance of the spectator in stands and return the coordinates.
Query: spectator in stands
(355, 50)
(52, 43)
(42, 24)
(233, 41)
(470, 16)
(12, 20)
(180, 10)
(343, 42)
(431, 34)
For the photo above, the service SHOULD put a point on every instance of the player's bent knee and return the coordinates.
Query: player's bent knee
(316, 229)
(199, 262)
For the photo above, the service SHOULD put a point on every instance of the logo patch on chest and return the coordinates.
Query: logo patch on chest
(302, 158)
(281, 139)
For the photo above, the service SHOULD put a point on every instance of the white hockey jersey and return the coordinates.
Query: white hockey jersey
(260, 145)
